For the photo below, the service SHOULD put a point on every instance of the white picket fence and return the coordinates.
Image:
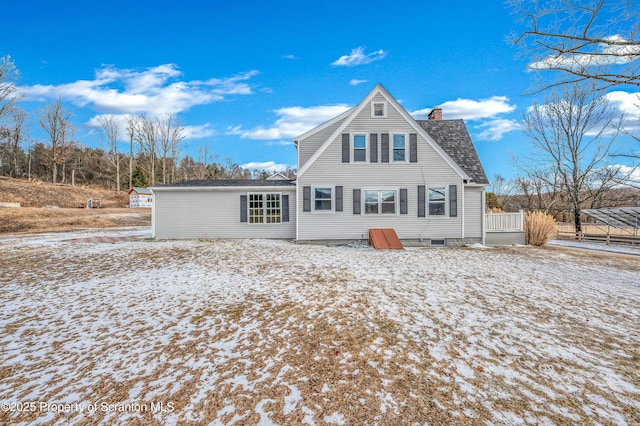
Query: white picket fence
(504, 221)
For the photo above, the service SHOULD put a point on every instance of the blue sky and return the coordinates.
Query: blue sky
(247, 77)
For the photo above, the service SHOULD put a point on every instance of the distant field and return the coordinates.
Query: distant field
(63, 212)
(40, 194)
(594, 229)
(31, 219)
(271, 332)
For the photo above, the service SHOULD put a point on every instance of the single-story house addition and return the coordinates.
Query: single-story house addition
(373, 166)
(140, 197)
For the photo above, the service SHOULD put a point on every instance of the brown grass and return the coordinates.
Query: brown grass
(539, 228)
(35, 195)
(40, 194)
(29, 219)
(593, 229)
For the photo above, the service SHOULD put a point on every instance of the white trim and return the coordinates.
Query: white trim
(385, 113)
(240, 188)
(322, 126)
(378, 89)
(367, 147)
(461, 208)
(379, 190)
(446, 201)
(406, 147)
(313, 199)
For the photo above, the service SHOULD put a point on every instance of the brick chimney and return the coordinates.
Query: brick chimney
(435, 114)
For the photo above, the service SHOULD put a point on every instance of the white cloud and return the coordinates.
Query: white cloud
(355, 82)
(197, 132)
(289, 57)
(189, 132)
(293, 122)
(606, 54)
(485, 113)
(269, 166)
(496, 128)
(627, 103)
(153, 90)
(469, 109)
(358, 57)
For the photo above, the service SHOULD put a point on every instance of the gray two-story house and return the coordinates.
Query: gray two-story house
(373, 166)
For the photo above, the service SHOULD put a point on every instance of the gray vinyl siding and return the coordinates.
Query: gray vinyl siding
(473, 212)
(308, 146)
(214, 213)
(431, 169)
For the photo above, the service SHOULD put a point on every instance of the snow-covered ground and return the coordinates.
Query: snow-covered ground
(270, 332)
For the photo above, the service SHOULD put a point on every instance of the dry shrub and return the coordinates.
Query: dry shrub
(539, 227)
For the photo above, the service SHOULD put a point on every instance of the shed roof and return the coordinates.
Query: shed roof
(141, 191)
(453, 137)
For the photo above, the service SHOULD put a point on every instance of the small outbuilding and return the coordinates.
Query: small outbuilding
(140, 198)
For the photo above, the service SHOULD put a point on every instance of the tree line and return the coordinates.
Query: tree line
(154, 156)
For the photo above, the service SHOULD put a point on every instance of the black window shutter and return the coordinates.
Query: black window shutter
(285, 208)
(403, 201)
(306, 198)
(453, 200)
(413, 148)
(373, 146)
(346, 157)
(384, 147)
(338, 198)
(421, 201)
(356, 201)
(243, 208)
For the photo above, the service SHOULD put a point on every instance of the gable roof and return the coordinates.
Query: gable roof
(453, 137)
(353, 112)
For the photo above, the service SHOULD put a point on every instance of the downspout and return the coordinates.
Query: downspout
(153, 214)
(295, 142)
(484, 215)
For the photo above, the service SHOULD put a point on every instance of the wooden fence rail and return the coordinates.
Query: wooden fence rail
(607, 238)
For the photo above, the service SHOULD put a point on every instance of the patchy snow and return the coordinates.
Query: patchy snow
(270, 332)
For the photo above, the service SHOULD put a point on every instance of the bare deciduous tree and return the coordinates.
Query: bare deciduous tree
(147, 137)
(573, 132)
(111, 129)
(16, 135)
(595, 40)
(132, 129)
(54, 119)
(8, 77)
(170, 134)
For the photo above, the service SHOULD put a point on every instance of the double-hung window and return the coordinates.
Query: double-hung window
(399, 147)
(322, 199)
(359, 147)
(437, 200)
(265, 208)
(380, 202)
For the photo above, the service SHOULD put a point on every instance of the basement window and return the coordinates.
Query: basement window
(437, 243)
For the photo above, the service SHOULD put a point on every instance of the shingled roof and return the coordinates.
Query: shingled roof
(232, 182)
(453, 137)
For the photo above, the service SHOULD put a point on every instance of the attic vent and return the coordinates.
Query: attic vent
(378, 109)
